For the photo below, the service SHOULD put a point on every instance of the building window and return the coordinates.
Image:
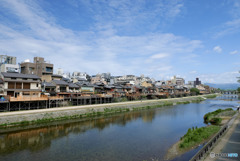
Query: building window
(11, 85)
(37, 85)
(18, 85)
(26, 85)
(49, 69)
(63, 89)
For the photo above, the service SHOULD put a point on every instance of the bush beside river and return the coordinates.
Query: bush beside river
(216, 117)
(196, 136)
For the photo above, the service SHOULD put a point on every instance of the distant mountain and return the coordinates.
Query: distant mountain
(224, 86)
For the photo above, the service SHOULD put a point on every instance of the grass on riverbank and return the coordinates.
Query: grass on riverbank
(211, 96)
(196, 136)
(153, 106)
(215, 116)
(92, 114)
(184, 102)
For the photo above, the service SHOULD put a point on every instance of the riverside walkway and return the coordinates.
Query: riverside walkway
(229, 145)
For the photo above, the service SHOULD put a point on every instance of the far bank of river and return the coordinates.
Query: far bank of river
(46, 115)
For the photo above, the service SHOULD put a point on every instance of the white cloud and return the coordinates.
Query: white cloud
(193, 72)
(217, 49)
(234, 52)
(97, 50)
(226, 77)
(229, 27)
(164, 68)
(159, 56)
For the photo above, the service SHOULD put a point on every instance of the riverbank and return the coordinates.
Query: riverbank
(227, 140)
(17, 118)
(198, 136)
(191, 140)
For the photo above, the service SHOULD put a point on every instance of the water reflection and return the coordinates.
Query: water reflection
(41, 138)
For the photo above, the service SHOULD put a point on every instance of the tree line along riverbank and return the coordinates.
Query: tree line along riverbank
(19, 118)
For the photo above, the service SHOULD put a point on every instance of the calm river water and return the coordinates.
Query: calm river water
(141, 135)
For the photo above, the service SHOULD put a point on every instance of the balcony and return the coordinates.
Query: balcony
(28, 98)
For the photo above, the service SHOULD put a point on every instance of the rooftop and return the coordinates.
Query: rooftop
(60, 82)
(48, 84)
(19, 75)
(56, 75)
(72, 85)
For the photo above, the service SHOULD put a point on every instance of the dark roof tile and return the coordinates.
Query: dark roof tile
(48, 84)
(72, 85)
(60, 82)
(19, 75)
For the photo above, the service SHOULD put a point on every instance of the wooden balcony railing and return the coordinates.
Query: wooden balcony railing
(56, 98)
(29, 98)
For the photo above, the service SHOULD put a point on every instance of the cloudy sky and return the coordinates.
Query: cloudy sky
(157, 38)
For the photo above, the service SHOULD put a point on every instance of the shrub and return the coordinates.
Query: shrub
(194, 136)
(215, 121)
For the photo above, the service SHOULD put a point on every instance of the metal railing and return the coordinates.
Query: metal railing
(209, 145)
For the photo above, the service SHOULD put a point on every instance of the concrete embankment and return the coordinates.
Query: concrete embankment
(34, 116)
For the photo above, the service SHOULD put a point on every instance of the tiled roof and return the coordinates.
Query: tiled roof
(56, 75)
(19, 75)
(48, 84)
(60, 82)
(72, 85)
(84, 84)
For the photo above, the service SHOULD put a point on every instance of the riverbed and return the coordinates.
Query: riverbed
(135, 135)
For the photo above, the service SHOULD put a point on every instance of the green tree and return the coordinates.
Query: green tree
(238, 78)
(238, 89)
(195, 91)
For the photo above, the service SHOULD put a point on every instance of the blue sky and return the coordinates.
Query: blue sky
(157, 38)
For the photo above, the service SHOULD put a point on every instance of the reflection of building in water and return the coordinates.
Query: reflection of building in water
(41, 138)
(148, 116)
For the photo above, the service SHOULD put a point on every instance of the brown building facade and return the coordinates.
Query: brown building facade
(39, 67)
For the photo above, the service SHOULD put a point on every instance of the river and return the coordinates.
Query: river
(137, 135)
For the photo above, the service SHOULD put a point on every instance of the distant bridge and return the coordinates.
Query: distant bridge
(230, 92)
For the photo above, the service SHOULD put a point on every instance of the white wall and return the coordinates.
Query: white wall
(34, 86)
(5, 66)
(5, 85)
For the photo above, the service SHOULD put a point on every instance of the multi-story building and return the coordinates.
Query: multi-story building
(39, 67)
(61, 86)
(97, 79)
(8, 64)
(178, 81)
(159, 82)
(16, 84)
(197, 82)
